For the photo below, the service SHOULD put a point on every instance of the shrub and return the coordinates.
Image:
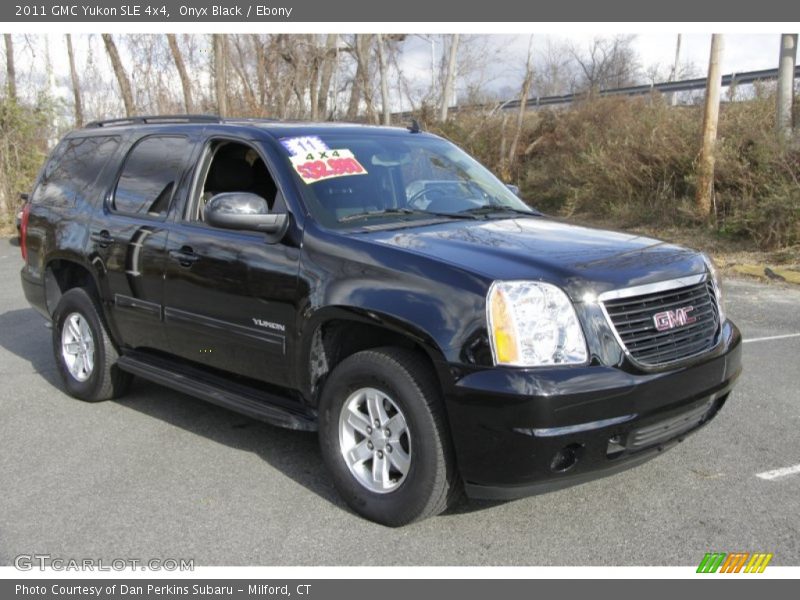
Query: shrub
(633, 161)
(23, 145)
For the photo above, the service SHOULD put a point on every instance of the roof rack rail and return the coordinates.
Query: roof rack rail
(154, 120)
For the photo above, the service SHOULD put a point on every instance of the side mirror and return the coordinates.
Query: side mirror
(243, 210)
(514, 188)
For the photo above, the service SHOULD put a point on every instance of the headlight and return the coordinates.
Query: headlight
(533, 324)
(715, 280)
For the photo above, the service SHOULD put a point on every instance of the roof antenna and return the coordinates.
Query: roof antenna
(414, 127)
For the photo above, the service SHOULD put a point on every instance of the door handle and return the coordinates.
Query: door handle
(102, 239)
(185, 256)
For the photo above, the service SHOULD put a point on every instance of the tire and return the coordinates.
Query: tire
(87, 363)
(402, 383)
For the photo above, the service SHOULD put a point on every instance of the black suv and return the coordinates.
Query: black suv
(377, 285)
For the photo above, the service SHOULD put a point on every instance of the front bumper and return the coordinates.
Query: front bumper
(519, 432)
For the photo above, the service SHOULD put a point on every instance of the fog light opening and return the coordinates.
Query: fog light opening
(566, 458)
(615, 447)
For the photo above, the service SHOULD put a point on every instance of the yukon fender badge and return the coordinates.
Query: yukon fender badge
(269, 324)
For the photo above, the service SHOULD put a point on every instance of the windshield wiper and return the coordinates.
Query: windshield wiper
(402, 211)
(489, 209)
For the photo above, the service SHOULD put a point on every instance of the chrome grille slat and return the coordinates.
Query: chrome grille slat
(631, 316)
(701, 294)
(668, 428)
(627, 333)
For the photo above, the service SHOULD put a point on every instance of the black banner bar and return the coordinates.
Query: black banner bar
(731, 587)
(263, 11)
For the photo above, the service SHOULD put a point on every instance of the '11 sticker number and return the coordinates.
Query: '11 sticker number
(325, 164)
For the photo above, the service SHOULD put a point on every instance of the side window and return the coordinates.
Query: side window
(151, 173)
(74, 165)
(235, 167)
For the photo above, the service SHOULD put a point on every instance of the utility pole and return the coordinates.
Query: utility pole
(788, 57)
(450, 76)
(673, 99)
(705, 176)
(386, 109)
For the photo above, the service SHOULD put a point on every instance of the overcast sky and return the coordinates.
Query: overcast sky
(507, 53)
(742, 52)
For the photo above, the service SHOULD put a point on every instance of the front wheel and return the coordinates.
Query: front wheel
(384, 437)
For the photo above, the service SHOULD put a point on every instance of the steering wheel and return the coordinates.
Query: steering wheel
(431, 193)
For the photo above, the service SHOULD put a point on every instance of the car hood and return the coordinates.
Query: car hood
(578, 259)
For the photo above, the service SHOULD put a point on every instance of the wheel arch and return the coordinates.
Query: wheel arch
(62, 274)
(335, 333)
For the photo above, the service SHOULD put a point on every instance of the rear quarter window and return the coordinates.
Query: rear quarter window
(73, 168)
(151, 174)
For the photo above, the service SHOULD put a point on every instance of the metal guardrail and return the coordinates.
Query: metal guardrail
(686, 85)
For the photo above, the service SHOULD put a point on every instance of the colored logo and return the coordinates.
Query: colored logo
(670, 319)
(735, 562)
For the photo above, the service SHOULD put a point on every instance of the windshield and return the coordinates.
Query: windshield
(352, 181)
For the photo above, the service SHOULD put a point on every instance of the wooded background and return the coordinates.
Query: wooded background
(673, 159)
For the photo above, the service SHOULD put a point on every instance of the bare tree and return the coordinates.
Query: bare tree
(119, 72)
(523, 103)
(11, 72)
(606, 63)
(76, 84)
(186, 83)
(788, 57)
(220, 72)
(705, 176)
(329, 64)
(361, 87)
(449, 80)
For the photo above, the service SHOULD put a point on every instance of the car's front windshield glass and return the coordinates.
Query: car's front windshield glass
(352, 181)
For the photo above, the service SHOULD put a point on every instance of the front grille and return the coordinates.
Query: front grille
(632, 318)
(668, 428)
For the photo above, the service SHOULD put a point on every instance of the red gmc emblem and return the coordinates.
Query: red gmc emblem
(670, 319)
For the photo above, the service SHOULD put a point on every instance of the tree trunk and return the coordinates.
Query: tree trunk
(220, 72)
(11, 71)
(788, 57)
(314, 66)
(361, 80)
(523, 104)
(385, 104)
(450, 78)
(76, 84)
(705, 176)
(328, 65)
(186, 83)
(119, 72)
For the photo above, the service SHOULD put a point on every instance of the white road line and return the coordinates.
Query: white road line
(770, 475)
(772, 337)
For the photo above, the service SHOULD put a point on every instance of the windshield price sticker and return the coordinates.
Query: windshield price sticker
(300, 146)
(326, 164)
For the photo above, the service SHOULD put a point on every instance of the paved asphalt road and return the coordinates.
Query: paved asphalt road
(161, 475)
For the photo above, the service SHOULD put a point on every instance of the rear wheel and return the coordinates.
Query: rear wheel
(85, 356)
(384, 437)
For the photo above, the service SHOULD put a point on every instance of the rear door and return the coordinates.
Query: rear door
(128, 238)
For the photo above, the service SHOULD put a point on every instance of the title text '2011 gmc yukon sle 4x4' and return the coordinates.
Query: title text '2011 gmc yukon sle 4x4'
(377, 285)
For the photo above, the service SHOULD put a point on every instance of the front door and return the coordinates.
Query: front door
(230, 296)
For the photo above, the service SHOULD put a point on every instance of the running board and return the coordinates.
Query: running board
(250, 402)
